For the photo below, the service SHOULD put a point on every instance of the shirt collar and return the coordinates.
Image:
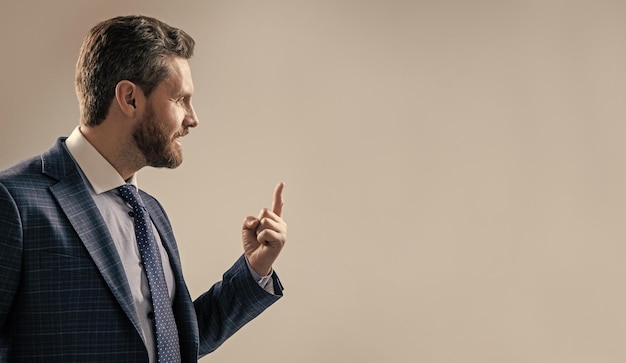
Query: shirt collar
(101, 174)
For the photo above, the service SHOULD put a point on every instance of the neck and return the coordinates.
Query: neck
(116, 147)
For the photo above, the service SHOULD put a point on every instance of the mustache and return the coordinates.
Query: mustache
(181, 133)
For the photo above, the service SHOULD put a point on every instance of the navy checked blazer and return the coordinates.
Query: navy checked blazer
(63, 293)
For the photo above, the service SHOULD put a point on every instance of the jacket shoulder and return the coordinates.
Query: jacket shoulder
(40, 170)
(21, 171)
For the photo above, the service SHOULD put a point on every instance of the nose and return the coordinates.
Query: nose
(191, 119)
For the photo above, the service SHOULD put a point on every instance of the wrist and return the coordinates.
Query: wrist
(257, 268)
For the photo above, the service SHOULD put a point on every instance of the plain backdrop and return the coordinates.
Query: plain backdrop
(454, 169)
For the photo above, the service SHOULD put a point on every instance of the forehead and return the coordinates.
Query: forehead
(179, 77)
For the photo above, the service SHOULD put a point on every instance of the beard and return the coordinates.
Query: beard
(155, 143)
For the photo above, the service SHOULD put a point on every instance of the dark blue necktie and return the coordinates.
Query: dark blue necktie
(168, 349)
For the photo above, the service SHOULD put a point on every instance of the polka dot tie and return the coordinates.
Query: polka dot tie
(168, 349)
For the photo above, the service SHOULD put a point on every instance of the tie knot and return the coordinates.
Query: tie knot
(129, 193)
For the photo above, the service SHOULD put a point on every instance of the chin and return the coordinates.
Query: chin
(175, 160)
(170, 160)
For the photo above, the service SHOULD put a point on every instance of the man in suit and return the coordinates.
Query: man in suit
(75, 282)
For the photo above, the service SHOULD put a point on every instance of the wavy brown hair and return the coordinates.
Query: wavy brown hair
(133, 48)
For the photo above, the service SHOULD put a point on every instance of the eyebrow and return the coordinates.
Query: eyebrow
(182, 93)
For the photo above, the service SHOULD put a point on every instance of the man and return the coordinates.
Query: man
(89, 268)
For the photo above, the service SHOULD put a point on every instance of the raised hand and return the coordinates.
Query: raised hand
(264, 236)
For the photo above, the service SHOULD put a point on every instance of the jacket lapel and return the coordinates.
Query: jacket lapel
(76, 202)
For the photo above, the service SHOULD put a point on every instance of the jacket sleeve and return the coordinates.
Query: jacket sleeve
(230, 304)
(10, 263)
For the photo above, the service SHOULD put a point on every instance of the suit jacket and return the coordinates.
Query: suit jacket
(64, 296)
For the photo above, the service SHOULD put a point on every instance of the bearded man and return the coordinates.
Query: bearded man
(89, 267)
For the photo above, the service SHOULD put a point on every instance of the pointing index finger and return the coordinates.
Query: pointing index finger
(277, 202)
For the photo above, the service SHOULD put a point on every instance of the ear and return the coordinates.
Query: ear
(126, 95)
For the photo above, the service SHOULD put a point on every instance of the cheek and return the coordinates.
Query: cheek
(178, 115)
(171, 118)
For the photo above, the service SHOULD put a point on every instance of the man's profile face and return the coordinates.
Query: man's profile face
(168, 116)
